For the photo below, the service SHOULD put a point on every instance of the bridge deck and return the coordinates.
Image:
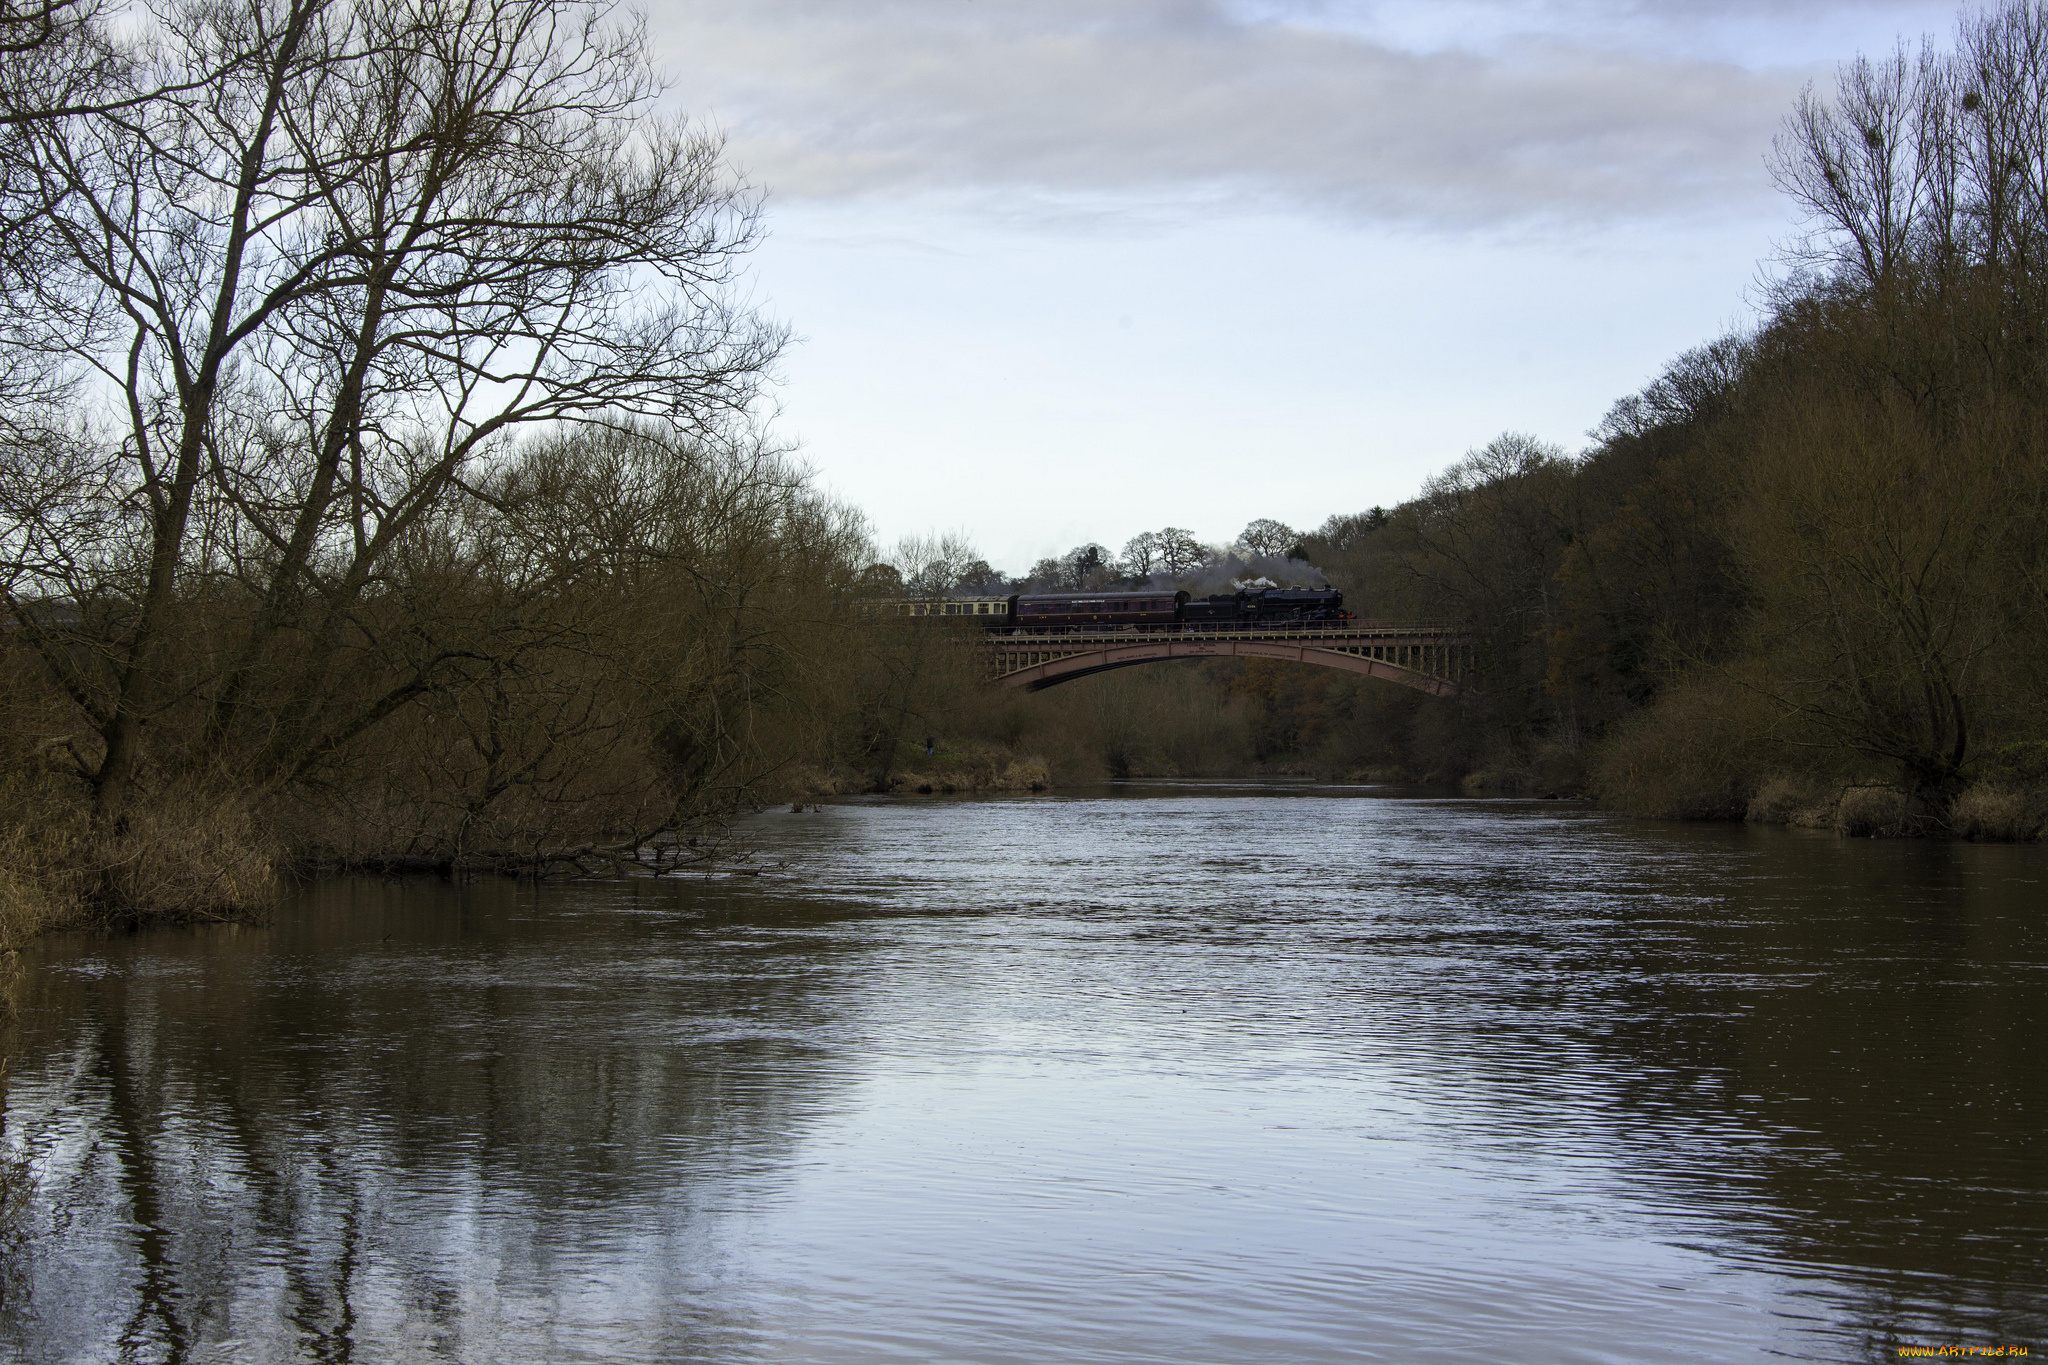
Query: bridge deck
(1429, 656)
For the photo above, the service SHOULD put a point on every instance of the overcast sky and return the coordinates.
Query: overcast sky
(1067, 270)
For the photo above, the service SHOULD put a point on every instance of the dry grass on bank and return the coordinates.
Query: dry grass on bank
(42, 836)
(186, 856)
(1875, 812)
(1795, 799)
(190, 856)
(1993, 812)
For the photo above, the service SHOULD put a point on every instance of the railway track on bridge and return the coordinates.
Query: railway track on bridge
(1427, 656)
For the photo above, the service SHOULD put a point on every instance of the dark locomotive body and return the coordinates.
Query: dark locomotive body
(1221, 611)
(1300, 607)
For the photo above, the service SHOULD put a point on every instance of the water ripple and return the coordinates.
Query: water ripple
(1171, 1074)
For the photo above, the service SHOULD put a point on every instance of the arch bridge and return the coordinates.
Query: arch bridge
(1427, 657)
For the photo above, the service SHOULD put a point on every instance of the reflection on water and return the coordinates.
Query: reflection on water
(1171, 1074)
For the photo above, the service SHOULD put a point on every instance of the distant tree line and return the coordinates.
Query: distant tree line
(950, 565)
(1810, 558)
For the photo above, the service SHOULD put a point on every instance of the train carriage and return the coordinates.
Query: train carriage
(990, 611)
(1149, 609)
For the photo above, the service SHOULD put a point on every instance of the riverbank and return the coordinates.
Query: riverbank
(978, 769)
(1987, 811)
(211, 857)
(1719, 752)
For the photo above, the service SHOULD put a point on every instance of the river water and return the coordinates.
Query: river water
(1161, 1074)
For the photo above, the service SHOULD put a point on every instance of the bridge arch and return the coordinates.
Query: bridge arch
(1431, 663)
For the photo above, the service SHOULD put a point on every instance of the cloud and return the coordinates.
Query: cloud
(1546, 110)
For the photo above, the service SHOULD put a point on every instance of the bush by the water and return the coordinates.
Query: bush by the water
(187, 855)
(1697, 755)
(1988, 810)
(1794, 799)
(197, 856)
(1874, 813)
(43, 867)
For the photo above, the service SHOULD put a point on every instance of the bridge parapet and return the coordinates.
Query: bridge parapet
(1427, 656)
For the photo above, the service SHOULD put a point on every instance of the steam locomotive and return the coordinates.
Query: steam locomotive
(1151, 610)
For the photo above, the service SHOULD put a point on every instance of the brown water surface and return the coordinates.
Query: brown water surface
(1166, 1074)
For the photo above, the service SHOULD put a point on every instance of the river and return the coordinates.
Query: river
(1163, 1073)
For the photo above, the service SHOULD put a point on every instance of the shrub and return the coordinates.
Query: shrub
(1785, 799)
(1692, 756)
(1873, 812)
(185, 856)
(2000, 813)
(42, 833)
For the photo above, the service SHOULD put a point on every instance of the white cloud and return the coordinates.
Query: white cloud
(1455, 114)
(1328, 245)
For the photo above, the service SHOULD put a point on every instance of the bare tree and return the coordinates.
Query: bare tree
(1873, 168)
(316, 263)
(36, 25)
(934, 565)
(1927, 158)
(1085, 568)
(1876, 544)
(1088, 568)
(1485, 531)
(1696, 387)
(1267, 537)
(639, 630)
(981, 577)
(1180, 552)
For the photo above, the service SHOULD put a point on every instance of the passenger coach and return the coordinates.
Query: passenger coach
(1045, 610)
(992, 610)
